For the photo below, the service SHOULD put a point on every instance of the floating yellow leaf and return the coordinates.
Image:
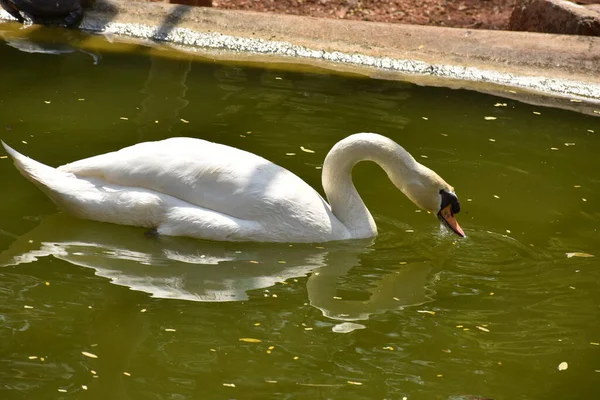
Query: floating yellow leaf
(577, 254)
(562, 366)
(250, 340)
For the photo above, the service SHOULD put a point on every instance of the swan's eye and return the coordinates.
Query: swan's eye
(449, 199)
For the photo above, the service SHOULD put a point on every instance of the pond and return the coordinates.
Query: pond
(93, 310)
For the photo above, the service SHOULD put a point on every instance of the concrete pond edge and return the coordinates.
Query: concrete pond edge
(554, 70)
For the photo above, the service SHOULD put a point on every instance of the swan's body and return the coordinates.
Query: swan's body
(192, 187)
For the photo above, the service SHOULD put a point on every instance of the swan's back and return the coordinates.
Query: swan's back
(216, 177)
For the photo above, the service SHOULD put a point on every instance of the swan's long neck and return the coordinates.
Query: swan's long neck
(346, 203)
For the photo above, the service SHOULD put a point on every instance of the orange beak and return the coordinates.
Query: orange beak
(447, 216)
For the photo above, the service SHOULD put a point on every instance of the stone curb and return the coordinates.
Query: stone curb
(536, 65)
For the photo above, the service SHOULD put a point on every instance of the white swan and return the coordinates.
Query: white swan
(192, 187)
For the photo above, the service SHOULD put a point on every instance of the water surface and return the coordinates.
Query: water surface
(414, 313)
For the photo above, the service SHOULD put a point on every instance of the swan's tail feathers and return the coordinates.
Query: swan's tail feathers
(48, 179)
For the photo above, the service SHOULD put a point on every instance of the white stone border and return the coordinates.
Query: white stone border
(191, 38)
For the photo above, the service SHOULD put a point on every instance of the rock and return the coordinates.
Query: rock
(555, 16)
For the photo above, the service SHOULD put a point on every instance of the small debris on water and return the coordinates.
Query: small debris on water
(537, 113)
(124, 118)
(563, 366)
(27, 307)
(496, 196)
(579, 254)
(489, 118)
(32, 357)
(492, 140)
(304, 149)
(500, 105)
(185, 121)
(126, 374)
(290, 154)
(253, 262)
(354, 383)
(250, 340)
(481, 328)
(90, 355)
(590, 131)
(426, 312)
(170, 330)
(47, 101)
(62, 390)
(84, 387)
(553, 148)
(425, 118)
(388, 348)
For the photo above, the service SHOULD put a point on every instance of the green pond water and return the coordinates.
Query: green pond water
(98, 311)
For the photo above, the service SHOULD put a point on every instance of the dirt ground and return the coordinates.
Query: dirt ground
(481, 14)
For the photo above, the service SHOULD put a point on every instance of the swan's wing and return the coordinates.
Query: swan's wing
(209, 175)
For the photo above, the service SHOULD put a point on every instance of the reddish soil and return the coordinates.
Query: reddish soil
(482, 14)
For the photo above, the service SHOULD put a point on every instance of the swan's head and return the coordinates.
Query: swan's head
(430, 192)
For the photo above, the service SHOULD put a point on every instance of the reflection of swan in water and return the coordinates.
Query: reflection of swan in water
(187, 269)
